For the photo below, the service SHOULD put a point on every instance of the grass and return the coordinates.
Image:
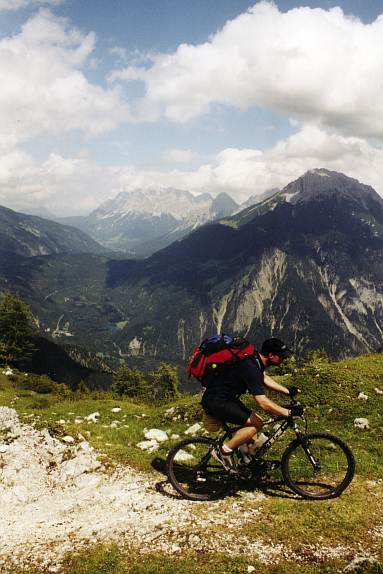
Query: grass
(330, 393)
(341, 521)
(103, 559)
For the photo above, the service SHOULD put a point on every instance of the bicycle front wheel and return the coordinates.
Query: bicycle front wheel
(318, 466)
(193, 472)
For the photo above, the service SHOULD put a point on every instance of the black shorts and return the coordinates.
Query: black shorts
(230, 410)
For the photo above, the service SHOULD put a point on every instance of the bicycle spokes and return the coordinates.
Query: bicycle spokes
(318, 467)
(193, 472)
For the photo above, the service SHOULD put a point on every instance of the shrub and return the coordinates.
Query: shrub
(82, 389)
(43, 385)
(165, 382)
(40, 403)
(130, 382)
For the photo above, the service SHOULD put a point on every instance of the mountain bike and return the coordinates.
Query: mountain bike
(315, 465)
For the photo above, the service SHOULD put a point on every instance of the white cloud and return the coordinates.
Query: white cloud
(65, 186)
(312, 64)
(43, 85)
(17, 4)
(70, 186)
(120, 53)
(179, 156)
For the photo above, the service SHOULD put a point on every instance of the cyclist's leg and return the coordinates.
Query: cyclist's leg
(247, 433)
(232, 410)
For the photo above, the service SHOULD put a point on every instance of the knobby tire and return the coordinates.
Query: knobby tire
(197, 476)
(330, 474)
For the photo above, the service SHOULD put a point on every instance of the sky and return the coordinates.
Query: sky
(103, 96)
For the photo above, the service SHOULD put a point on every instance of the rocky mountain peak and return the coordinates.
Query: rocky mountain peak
(322, 183)
(151, 202)
(223, 204)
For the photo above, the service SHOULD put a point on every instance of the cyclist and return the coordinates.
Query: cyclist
(221, 397)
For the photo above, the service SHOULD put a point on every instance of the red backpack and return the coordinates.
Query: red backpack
(217, 353)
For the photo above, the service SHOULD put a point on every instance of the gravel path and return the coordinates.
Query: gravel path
(56, 497)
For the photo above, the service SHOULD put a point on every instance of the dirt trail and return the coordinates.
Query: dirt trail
(55, 497)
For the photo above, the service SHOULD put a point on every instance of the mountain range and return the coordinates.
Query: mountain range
(142, 221)
(305, 264)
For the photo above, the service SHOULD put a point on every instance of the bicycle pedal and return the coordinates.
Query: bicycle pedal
(273, 464)
(266, 465)
(244, 472)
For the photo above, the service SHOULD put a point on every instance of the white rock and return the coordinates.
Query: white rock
(78, 421)
(193, 429)
(85, 446)
(87, 481)
(194, 540)
(175, 436)
(156, 434)
(116, 409)
(92, 417)
(8, 372)
(362, 423)
(362, 396)
(113, 425)
(61, 421)
(149, 445)
(82, 463)
(251, 569)
(68, 439)
(378, 391)
(182, 455)
(3, 448)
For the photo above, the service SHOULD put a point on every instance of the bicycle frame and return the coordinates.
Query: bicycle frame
(284, 426)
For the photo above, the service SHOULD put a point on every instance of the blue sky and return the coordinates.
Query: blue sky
(210, 95)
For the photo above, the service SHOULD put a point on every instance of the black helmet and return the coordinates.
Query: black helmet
(276, 347)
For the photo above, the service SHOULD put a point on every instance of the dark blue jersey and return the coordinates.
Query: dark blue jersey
(244, 376)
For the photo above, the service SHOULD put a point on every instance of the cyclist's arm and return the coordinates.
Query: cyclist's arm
(270, 407)
(271, 384)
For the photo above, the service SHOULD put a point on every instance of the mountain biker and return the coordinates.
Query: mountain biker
(221, 397)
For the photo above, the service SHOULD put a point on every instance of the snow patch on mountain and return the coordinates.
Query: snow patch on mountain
(154, 202)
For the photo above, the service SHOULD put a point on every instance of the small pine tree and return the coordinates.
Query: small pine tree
(16, 330)
(166, 382)
(130, 382)
(82, 388)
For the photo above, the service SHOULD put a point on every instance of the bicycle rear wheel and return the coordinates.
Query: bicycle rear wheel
(193, 472)
(318, 466)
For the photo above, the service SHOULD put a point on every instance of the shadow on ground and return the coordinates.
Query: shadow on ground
(268, 485)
